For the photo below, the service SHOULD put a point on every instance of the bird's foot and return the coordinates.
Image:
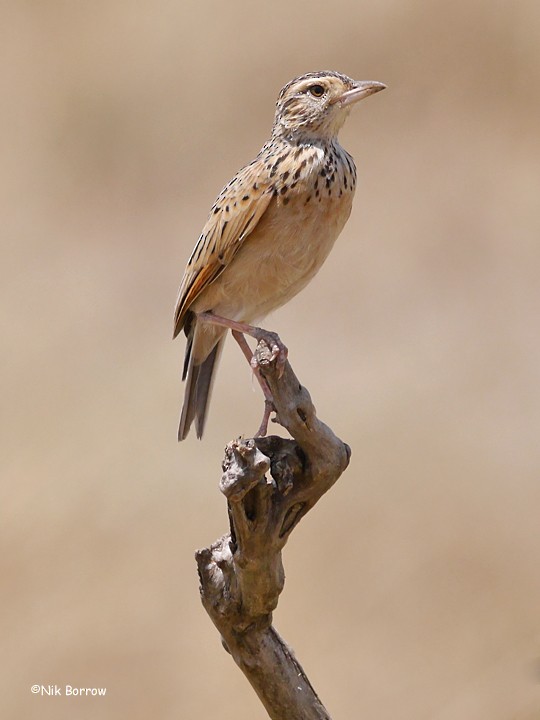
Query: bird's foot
(279, 351)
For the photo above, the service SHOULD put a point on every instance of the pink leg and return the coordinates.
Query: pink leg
(278, 349)
(268, 399)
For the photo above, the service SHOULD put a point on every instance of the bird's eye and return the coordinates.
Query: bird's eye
(316, 90)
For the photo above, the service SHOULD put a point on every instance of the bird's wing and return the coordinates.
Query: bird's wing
(234, 215)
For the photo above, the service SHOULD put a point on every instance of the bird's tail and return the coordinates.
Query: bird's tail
(199, 376)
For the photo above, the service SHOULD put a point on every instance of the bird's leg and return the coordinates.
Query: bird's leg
(278, 349)
(263, 427)
(268, 399)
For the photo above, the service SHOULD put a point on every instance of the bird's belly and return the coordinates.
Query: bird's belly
(285, 251)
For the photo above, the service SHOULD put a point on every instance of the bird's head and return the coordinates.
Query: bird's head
(318, 103)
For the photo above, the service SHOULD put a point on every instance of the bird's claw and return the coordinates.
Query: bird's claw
(279, 351)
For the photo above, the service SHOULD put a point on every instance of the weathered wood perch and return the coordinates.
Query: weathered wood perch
(241, 574)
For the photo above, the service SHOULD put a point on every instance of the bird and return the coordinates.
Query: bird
(269, 231)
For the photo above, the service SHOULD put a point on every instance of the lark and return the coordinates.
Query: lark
(268, 233)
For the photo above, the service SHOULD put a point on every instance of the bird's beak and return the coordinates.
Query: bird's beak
(361, 89)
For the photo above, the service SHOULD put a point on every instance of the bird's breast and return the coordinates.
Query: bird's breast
(311, 203)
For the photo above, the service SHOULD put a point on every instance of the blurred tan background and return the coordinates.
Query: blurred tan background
(413, 589)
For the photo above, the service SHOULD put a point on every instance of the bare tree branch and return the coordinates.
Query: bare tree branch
(270, 483)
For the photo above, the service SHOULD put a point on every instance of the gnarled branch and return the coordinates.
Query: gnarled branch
(270, 483)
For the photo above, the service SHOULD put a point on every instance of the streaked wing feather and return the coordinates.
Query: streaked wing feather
(198, 282)
(234, 215)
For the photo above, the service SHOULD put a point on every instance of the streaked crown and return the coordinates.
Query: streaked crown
(318, 103)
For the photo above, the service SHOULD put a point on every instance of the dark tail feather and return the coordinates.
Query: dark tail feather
(187, 357)
(200, 379)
